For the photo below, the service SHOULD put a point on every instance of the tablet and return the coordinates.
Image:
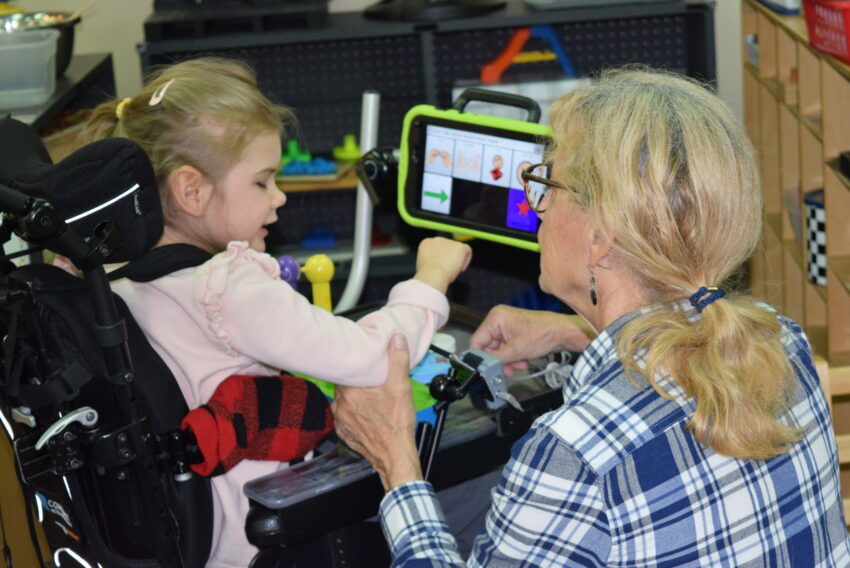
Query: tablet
(460, 172)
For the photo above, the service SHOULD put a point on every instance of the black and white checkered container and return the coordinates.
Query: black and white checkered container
(815, 237)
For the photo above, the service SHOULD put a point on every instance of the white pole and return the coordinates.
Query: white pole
(363, 209)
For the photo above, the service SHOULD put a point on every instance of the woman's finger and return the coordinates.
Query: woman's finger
(399, 359)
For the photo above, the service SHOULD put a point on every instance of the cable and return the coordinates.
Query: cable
(555, 372)
(549, 368)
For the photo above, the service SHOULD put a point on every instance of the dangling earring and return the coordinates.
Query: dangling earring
(593, 298)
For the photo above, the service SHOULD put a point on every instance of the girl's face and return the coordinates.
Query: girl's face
(246, 198)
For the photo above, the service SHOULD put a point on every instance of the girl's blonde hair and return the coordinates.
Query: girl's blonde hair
(199, 112)
(664, 169)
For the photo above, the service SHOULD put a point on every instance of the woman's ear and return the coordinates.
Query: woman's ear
(600, 245)
(190, 190)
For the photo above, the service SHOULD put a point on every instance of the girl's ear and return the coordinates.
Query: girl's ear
(190, 190)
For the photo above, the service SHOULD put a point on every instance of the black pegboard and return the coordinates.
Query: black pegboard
(322, 72)
(324, 81)
(334, 211)
(331, 71)
(658, 41)
(305, 210)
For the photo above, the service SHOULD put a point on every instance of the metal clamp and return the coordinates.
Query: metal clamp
(489, 367)
(87, 416)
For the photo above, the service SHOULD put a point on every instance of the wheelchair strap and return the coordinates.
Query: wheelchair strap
(49, 287)
(11, 365)
(160, 261)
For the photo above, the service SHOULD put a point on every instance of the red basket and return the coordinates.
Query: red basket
(828, 22)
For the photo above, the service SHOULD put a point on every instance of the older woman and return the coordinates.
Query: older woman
(694, 430)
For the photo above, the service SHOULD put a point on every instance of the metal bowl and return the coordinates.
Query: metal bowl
(60, 21)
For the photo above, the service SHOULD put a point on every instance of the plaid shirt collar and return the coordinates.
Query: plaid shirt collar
(602, 350)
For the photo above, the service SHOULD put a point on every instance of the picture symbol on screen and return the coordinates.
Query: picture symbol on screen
(498, 162)
(442, 154)
(468, 164)
(441, 196)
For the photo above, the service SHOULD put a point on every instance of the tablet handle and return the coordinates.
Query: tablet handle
(498, 97)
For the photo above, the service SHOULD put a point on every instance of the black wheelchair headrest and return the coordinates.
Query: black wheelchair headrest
(108, 180)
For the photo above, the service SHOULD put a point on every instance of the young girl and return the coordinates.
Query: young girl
(215, 144)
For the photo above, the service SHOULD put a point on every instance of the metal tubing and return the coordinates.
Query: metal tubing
(363, 209)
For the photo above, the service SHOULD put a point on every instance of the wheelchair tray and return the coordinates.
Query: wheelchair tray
(308, 479)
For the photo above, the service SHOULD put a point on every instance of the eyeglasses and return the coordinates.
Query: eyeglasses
(537, 188)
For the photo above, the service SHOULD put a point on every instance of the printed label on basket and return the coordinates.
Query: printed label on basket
(815, 237)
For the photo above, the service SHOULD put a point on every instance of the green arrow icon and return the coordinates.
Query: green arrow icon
(441, 196)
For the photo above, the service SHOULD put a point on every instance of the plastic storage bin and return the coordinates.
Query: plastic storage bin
(27, 67)
(828, 22)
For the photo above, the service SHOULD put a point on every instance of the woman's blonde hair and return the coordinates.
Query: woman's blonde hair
(200, 112)
(664, 169)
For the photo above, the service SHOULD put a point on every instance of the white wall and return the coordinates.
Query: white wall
(116, 26)
(727, 37)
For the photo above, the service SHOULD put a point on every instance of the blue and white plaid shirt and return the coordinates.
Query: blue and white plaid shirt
(614, 478)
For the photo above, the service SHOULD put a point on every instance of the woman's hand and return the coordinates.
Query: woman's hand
(379, 422)
(515, 335)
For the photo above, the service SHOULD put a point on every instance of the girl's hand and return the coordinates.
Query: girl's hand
(515, 335)
(379, 422)
(439, 261)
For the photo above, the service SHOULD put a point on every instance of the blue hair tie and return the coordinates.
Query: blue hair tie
(699, 300)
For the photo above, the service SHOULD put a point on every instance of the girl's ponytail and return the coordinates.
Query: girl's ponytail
(102, 123)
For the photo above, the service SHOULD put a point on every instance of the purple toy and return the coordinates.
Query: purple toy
(289, 270)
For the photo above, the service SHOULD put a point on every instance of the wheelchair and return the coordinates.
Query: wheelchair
(91, 410)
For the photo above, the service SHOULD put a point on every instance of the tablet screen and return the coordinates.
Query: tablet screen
(468, 176)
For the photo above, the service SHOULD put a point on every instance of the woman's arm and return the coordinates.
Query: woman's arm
(515, 335)
(547, 509)
(378, 422)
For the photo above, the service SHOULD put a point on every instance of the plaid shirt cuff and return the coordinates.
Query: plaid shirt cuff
(414, 525)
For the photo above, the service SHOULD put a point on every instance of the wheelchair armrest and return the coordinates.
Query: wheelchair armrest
(327, 511)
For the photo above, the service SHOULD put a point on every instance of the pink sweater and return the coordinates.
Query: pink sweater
(233, 315)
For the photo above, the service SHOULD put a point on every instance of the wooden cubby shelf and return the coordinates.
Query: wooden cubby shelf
(833, 165)
(840, 265)
(796, 112)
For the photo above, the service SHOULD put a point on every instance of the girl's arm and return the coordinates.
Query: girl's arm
(260, 317)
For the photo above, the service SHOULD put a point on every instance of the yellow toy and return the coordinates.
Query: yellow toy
(320, 271)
